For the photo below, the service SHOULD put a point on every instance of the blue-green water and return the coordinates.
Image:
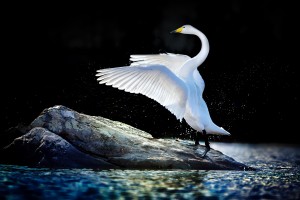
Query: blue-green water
(277, 177)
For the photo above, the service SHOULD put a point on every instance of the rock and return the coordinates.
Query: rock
(42, 148)
(9, 135)
(61, 137)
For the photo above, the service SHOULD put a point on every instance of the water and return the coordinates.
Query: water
(277, 177)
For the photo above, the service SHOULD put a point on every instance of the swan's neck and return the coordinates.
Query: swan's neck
(195, 62)
(202, 55)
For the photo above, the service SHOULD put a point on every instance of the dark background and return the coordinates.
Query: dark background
(53, 51)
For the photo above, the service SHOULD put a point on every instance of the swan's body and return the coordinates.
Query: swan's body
(172, 80)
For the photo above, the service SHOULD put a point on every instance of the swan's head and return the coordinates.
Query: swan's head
(185, 29)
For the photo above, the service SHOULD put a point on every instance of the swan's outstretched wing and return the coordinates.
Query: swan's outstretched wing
(154, 81)
(172, 61)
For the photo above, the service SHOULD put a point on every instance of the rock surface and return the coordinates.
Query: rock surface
(61, 137)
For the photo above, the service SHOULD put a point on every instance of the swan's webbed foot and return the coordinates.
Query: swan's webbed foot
(205, 152)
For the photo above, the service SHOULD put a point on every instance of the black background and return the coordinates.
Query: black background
(52, 53)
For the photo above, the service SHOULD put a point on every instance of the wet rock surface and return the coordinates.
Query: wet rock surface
(63, 138)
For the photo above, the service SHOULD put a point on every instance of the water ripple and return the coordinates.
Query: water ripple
(277, 177)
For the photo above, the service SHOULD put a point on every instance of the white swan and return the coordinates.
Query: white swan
(172, 80)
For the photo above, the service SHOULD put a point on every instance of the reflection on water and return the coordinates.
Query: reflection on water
(277, 177)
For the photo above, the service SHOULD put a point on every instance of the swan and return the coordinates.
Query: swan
(173, 81)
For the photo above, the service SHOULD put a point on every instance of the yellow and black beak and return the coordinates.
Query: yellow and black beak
(177, 30)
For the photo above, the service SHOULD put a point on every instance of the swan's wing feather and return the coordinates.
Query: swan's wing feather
(172, 61)
(154, 81)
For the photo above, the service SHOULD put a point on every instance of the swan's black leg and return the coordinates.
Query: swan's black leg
(197, 138)
(207, 147)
